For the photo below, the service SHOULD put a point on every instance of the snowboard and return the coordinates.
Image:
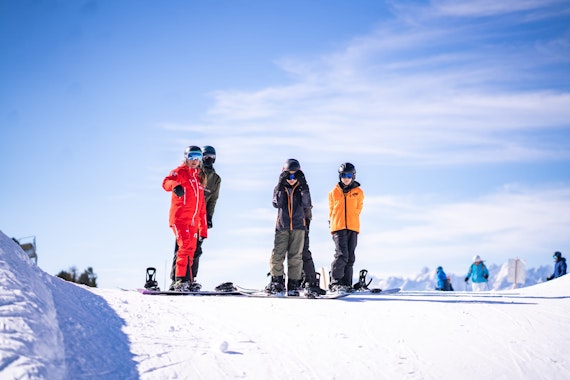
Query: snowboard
(375, 292)
(328, 296)
(302, 294)
(198, 293)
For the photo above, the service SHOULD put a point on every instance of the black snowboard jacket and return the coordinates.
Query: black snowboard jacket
(293, 204)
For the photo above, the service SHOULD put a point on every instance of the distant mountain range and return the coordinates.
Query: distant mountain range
(498, 279)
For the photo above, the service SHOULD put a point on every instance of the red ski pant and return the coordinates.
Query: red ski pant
(186, 237)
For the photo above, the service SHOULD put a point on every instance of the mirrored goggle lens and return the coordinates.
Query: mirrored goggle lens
(291, 176)
(345, 175)
(195, 156)
(209, 156)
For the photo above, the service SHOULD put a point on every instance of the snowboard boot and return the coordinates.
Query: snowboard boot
(339, 287)
(277, 285)
(151, 283)
(293, 287)
(195, 287)
(315, 289)
(181, 285)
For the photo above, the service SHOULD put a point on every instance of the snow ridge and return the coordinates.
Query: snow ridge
(53, 329)
(31, 345)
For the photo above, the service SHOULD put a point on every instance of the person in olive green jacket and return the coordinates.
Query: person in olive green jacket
(345, 205)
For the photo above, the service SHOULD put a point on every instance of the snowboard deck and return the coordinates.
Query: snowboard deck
(198, 293)
(375, 292)
(302, 295)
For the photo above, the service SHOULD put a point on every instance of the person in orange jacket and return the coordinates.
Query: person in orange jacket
(187, 213)
(345, 205)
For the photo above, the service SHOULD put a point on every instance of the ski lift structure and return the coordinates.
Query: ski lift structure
(28, 245)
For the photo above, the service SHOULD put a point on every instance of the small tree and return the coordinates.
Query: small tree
(88, 277)
(70, 276)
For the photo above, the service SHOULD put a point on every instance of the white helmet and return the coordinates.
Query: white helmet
(476, 258)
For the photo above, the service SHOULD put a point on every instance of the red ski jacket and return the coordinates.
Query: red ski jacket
(191, 207)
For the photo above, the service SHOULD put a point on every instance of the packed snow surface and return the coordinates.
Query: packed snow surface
(51, 329)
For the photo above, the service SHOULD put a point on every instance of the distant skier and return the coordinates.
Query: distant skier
(291, 197)
(187, 213)
(559, 266)
(443, 281)
(479, 275)
(211, 193)
(345, 204)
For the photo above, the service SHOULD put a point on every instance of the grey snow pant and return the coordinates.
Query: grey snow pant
(288, 244)
(345, 244)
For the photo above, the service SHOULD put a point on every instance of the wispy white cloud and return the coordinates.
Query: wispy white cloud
(489, 7)
(435, 85)
(411, 93)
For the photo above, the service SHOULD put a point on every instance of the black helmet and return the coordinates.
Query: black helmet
(209, 155)
(193, 151)
(291, 165)
(558, 255)
(345, 168)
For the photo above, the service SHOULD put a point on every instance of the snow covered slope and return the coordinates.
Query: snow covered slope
(55, 330)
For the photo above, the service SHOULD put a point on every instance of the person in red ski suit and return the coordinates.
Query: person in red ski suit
(187, 213)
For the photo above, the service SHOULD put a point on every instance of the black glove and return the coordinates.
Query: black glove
(302, 180)
(209, 220)
(485, 276)
(178, 190)
(283, 177)
(466, 279)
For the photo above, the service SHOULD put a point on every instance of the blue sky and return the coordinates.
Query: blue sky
(456, 115)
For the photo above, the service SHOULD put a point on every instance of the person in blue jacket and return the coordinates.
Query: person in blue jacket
(443, 282)
(559, 266)
(479, 275)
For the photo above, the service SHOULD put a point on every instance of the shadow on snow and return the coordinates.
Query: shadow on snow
(95, 345)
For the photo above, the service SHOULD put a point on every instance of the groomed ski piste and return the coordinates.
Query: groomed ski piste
(52, 329)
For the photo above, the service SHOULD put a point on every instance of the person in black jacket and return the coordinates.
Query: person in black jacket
(559, 266)
(292, 199)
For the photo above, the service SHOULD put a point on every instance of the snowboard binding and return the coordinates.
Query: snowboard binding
(151, 283)
(227, 287)
(362, 284)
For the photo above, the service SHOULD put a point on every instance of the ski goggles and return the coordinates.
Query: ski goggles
(292, 177)
(194, 156)
(346, 175)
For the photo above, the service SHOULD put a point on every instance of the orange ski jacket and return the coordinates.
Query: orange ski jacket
(345, 208)
(191, 207)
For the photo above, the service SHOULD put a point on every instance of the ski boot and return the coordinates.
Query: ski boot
(151, 283)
